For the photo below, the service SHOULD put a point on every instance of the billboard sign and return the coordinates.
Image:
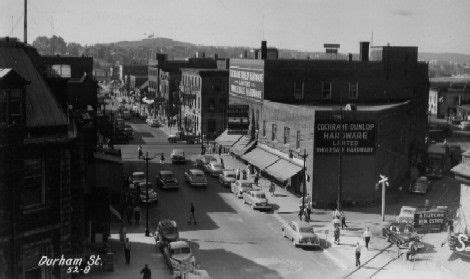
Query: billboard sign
(247, 79)
(353, 137)
(430, 220)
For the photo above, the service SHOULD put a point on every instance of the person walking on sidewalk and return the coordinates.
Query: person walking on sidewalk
(146, 272)
(127, 250)
(162, 159)
(222, 162)
(358, 254)
(301, 213)
(336, 223)
(140, 152)
(137, 214)
(191, 215)
(343, 220)
(220, 150)
(366, 235)
(272, 189)
(244, 174)
(257, 178)
(336, 233)
(336, 214)
(238, 174)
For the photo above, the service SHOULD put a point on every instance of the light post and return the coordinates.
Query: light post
(304, 189)
(203, 148)
(384, 183)
(147, 159)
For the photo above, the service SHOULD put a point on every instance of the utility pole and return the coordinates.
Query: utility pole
(25, 30)
(340, 157)
(304, 189)
(147, 159)
(384, 183)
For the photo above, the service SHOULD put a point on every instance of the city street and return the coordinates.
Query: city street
(230, 240)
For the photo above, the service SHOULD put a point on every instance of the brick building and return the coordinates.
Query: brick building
(290, 103)
(446, 94)
(204, 95)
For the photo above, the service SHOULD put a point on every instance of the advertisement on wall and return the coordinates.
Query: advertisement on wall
(428, 221)
(353, 137)
(247, 79)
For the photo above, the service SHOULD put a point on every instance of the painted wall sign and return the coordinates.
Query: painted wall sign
(357, 137)
(247, 81)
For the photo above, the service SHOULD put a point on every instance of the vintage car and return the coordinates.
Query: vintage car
(153, 122)
(177, 156)
(401, 234)
(135, 178)
(203, 160)
(153, 197)
(241, 186)
(180, 136)
(256, 199)
(301, 234)
(421, 185)
(166, 180)
(178, 257)
(227, 177)
(214, 169)
(167, 231)
(407, 214)
(198, 274)
(195, 177)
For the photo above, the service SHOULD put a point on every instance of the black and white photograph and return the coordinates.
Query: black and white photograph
(234, 139)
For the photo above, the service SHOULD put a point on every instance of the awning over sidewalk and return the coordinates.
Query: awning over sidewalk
(283, 169)
(260, 158)
(242, 145)
(227, 140)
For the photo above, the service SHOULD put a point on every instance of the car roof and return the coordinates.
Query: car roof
(166, 172)
(138, 173)
(196, 171)
(167, 223)
(179, 244)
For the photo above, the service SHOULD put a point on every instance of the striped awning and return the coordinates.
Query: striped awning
(283, 169)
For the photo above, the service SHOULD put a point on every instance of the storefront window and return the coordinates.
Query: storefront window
(273, 132)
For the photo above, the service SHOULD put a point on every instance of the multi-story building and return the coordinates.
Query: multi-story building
(35, 161)
(126, 71)
(318, 105)
(204, 95)
(446, 95)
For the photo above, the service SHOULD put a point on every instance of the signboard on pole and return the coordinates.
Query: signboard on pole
(353, 137)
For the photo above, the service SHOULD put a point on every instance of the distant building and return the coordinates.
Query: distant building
(296, 105)
(204, 95)
(126, 71)
(446, 94)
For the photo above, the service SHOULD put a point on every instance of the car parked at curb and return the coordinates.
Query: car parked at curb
(301, 234)
(241, 186)
(256, 199)
(203, 160)
(178, 254)
(166, 180)
(195, 177)
(227, 177)
(153, 197)
(214, 169)
(135, 178)
(167, 231)
(401, 234)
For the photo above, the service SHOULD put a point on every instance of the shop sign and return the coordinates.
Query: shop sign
(429, 220)
(460, 244)
(353, 137)
(247, 82)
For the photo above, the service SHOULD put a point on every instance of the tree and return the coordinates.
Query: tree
(58, 45)
(42, 44)
(74, 49)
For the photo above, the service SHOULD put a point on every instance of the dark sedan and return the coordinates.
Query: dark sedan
(166, 180)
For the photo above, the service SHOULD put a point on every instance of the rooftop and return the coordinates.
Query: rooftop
(335, 107)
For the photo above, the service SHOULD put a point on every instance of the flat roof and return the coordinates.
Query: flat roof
(335, 107)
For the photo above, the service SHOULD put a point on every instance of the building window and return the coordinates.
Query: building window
(297, 140)
(353, 90)
(264, 128)
(211, 104)
(286, 134)
(34, 183)
(222, 105)
(198, 102)
(326, 90)
(299, 90)
(273, 132)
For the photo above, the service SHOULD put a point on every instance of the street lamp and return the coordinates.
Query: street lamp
(304, 189)
(203, 148)
(147, 159)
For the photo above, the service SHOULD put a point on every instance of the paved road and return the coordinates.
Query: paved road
(230, 240)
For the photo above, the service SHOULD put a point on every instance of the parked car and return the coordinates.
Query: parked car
(129, 132)
(421, 185)
(195, 177)
(301, 234)
(203, 160)
(198, 274)
(241, 186)
(153, 197)
(166, 180)
(167, 231)
(215, 168)
(177, 156)
(256, 199)
(401, 233)
(176, 254)
(407, 214)
(135, 178)
(181, 136)
(227, 177)
(153, 122)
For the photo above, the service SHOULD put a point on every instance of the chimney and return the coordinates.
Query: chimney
(364, 51)
(216, 56)
(264, 50)
(203, 55)
(350, 57)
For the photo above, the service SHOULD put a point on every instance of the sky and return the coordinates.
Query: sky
(432, 25)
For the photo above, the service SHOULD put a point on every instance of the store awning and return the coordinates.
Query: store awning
(283, 169)
(242, 145)
(227, 140)
(260, 158)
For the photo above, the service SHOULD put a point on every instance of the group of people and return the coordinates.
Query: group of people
(305, 208)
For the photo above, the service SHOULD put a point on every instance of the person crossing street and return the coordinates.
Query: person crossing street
(191, 215)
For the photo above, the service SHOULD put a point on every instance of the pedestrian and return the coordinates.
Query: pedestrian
(336, 235)
(122, 233)
(358, 254)
(139, 151)
(162, 158)
(411, 250)
(272, 189)
(238, 174)
(244, 174)
(248, 169)
(191, 215)
(220, 150)
(146, 272)
(336, 214)
(336, 223)
(137, 214)
(301, 213)
(222, 163)
(129, 213)
(309, 211)
(366, 235)
(343, 219)
(257, 178)
(127, 250)
(213, 148)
